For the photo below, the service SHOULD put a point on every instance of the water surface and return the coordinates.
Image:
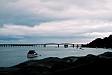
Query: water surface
(10, 56)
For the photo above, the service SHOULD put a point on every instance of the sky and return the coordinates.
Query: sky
(59, 21)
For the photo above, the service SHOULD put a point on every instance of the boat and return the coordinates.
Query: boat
(32, 54)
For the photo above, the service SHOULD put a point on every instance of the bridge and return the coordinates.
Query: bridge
(42, 45)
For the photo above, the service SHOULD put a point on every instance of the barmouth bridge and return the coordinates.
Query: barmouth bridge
(66, 45)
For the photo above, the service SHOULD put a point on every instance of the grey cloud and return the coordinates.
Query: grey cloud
(23, 12)
(53, 18)
(10, 38)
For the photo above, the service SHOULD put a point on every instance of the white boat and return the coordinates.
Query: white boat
(32, 54)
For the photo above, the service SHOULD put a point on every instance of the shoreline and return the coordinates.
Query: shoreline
(67, 65)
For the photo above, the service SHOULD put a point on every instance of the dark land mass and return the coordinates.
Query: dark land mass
(89, 64)
(100, 43)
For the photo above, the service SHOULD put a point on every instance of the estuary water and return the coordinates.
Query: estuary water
(10, 56)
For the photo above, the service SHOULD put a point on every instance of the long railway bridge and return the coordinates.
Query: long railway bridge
(42, 45)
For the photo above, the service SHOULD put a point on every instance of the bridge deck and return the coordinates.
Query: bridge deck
(44, 45)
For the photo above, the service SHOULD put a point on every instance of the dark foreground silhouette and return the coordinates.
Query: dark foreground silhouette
(89, 64)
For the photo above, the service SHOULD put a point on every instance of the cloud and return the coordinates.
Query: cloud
(10, 38)
(58, 28)
(38, 11)
(79, 19)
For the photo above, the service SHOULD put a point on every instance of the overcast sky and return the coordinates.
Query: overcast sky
(39, 21)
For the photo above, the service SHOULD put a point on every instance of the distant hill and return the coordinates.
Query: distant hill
(101, 43)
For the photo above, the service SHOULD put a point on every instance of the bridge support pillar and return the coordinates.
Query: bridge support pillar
(73, 45)
(58, 45)
(44, 45)
(65, 46)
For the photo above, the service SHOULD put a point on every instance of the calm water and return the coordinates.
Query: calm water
(10, 56)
